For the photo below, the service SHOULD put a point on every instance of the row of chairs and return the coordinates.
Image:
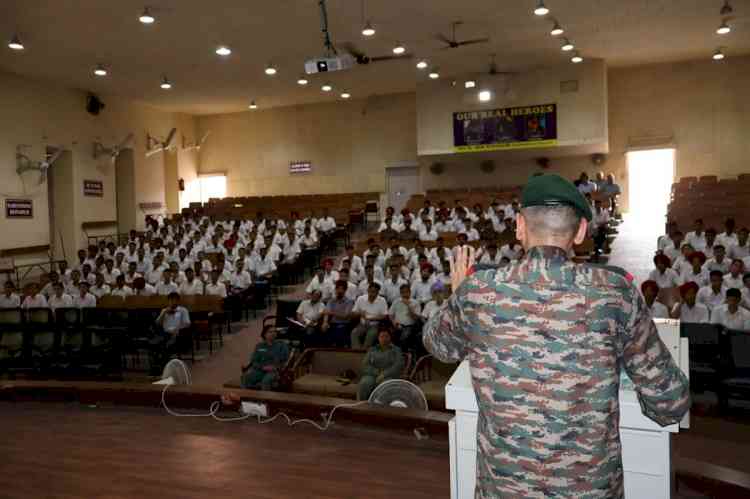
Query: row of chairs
(719, 361)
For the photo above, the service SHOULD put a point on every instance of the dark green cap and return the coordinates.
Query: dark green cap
(553, 190)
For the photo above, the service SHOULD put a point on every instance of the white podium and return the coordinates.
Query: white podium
(646, 446)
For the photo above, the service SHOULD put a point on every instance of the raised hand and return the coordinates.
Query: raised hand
(461, 262)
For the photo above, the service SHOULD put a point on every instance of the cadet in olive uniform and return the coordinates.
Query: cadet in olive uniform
(546, 340)
(267, 359)
(384, 361)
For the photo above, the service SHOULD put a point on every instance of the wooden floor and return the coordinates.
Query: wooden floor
(51, 451)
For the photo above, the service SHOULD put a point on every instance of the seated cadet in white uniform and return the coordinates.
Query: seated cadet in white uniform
(731, 315)
(728, 238)
(650, 290)
(664, 276)
(428, 232)
(391, 289)
(713, 295)
(421, 289)
(697, 237)
(59, 298)
(320, 283)
(683, 259)
(34, 299)
(696, 272)
(84, 299)
(689, 310)
(191, 285)
(371, 309)
(10, 298)
(719, 261)
(100, 288)
(734, 278)
(439, 292)
(742, 248)
(166, 286)
(351, 292)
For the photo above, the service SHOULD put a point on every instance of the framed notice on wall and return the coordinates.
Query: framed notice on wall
(19, 208)
(300, 167)
(522, 127)
(93, 188)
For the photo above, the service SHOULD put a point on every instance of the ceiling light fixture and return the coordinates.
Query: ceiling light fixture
(399, 49)
(270, 70)
(723, 29)
(556, 30)
(302, 81)
(485, 96)
(422, 65)
(165, 83)
(718, 55)
(541, 9)
(100, 70)
(567, 46)
(346, 95)
(15, 43)
(368, 30)
(576, 59)
(434, 74)
(470, 84)
(147, 17)
(253, 105)
(326, 87)
(223, 50)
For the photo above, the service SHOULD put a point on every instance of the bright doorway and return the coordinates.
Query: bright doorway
(651, 174)
(212, 186)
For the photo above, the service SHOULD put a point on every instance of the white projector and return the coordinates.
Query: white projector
(329, 64)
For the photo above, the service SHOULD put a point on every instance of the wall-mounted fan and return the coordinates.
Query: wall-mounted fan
(190, 146)
(399, 393)
(453, 43)
(24, 164)
(437, 168)
(156, 145)
(114, 150)
(598, 159)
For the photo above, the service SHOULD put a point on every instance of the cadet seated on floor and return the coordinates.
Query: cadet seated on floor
(269, 357)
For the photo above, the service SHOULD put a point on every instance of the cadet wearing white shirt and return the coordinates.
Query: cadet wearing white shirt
(9, 298)
(690, 311)
(35, 300)
(84, 299)
(371, 309)
(59, 298)
(731, 315)
(191, 285)
(216, 288)
(713, 295)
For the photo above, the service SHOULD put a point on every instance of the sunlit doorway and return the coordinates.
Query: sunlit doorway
(651, 174)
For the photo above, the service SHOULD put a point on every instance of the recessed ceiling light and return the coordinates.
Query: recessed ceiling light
(576, 59)
(485, 95)
(434, 74)
(346, 95)
(368, 30)
(399, 49)
(147, 17)
(718, 55)
(165, 83)
(541, 9)
(15, 43)
(723, 29)
(100, 70)
(422, 65)
(302, 81)
(556, 30)
(253, 105)
(270, 70)
(223, 50)
(470, 84)
(326, 88)
(567, 46)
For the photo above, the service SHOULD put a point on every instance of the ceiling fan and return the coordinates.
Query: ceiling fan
(453, 43)
(114, 151)
(155, 145)
(190, 146)
(363, 59)
(24, 164)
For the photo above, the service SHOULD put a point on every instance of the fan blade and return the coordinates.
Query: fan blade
(444, 39)
(125, 142)
(205, 136)
(170, 138)
(391, 57)
(152, 152)
(55, 156)
(472, 42)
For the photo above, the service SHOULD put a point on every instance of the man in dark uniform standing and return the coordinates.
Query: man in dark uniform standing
(546, 340)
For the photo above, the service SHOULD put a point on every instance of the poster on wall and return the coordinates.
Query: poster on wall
(522, 127)
(19, 208)
(300, 167)
(93, 188)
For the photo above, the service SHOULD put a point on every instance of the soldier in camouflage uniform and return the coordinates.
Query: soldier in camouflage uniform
(546, 340)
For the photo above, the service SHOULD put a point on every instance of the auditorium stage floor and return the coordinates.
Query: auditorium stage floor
(66, 451)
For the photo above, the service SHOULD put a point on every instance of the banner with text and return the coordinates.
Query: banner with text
(522, 127)
(19, 208)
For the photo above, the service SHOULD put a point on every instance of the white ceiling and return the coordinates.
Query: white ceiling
(65, 39)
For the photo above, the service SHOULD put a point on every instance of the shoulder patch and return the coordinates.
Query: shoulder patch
(611, 275)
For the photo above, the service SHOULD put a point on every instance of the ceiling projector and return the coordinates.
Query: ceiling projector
(329, 64)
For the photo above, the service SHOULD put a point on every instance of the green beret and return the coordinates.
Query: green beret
(553, 190)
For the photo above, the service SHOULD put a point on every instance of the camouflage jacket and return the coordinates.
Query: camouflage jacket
(546, 339)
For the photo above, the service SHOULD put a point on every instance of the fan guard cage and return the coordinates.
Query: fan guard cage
(178, 371)
(399, 393)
